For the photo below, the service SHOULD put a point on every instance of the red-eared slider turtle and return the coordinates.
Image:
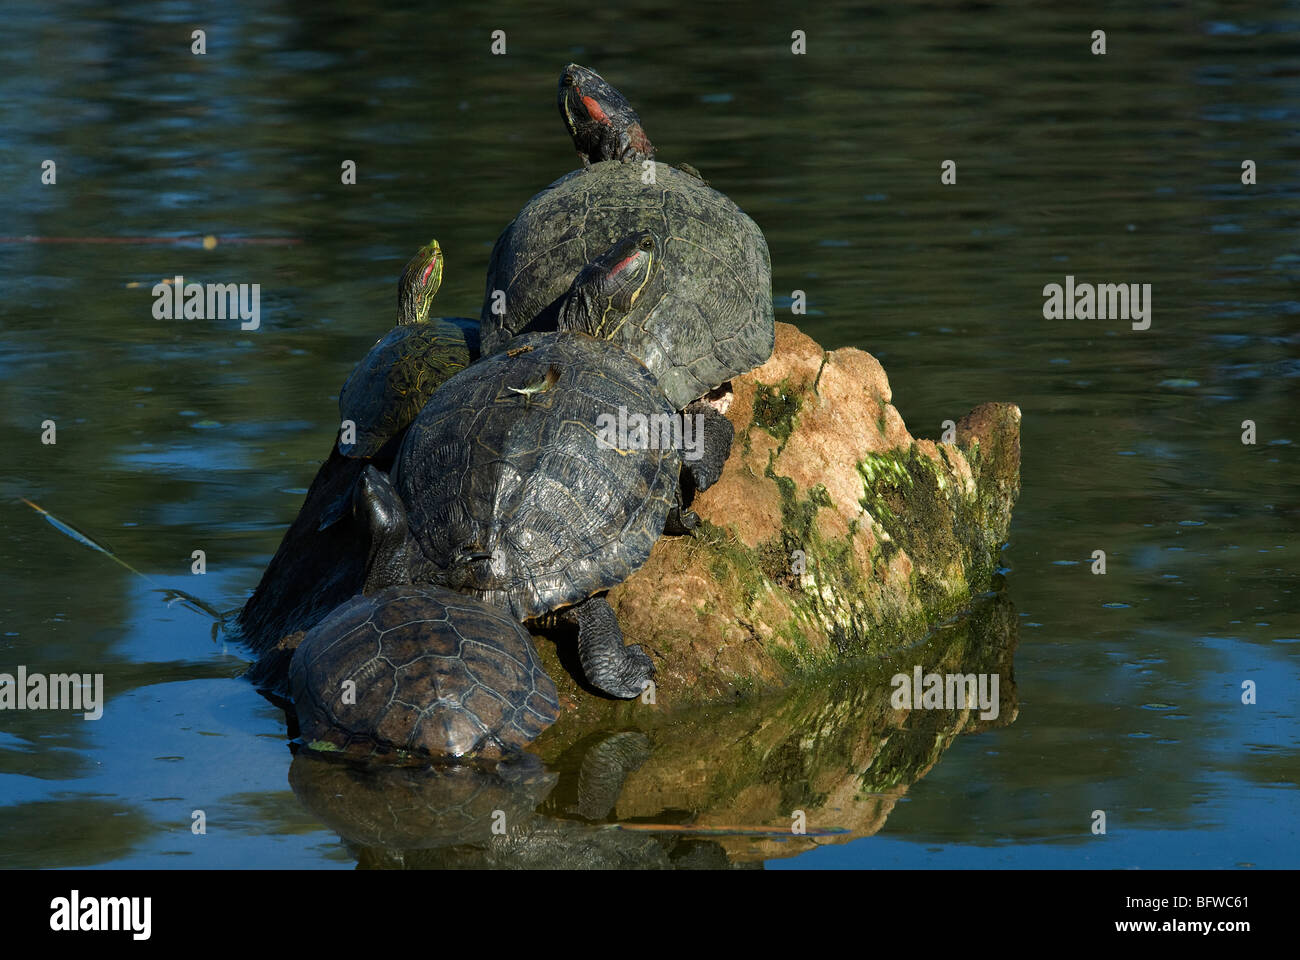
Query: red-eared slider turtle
(388, 387)
(391, 383)
(418, 670)
(321, 562)
(710, 318)
(514, 496)
(540, 477)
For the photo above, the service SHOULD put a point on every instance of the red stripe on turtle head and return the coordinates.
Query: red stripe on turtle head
(594, 110)
(623, 264)
(424, 277)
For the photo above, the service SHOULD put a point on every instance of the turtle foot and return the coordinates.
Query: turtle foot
(681, 523)
(610, 667)
(713, 435)
(392, 550)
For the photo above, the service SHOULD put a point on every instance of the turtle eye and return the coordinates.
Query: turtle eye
(647, 243)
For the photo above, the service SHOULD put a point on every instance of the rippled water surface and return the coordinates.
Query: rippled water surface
(181, 435)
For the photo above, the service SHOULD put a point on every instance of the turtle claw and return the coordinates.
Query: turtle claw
(681, 523)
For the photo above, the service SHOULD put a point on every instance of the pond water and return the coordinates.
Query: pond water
(183, 435)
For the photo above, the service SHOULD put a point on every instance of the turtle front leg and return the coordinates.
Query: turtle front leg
(712, 435)
(618, 670)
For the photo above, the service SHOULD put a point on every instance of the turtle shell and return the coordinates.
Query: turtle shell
(436, 674)
(392, 382)
(511, 488)
(708, 321)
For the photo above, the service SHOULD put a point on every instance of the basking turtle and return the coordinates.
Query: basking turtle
(318, 564)
(541, 476)
(520, 490)
(434, 674)
(710, 318)
(388, 387)
(391, 383)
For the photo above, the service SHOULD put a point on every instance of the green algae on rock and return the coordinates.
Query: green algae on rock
(833, 534)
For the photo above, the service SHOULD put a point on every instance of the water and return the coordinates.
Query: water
(176, 436)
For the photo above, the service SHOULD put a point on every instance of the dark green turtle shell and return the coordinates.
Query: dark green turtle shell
(710, 318)
(399, 374)
(437, 674)
(508, 490)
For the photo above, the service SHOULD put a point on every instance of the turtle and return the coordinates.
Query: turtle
(540, 477)
(317, 565)
(434, 674)
(391, 383)
(521, 491)
(711, 317)
(388, 387)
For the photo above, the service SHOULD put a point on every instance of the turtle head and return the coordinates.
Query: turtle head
(605, 290)
(379, 508)
(601, 122)
(420, 281)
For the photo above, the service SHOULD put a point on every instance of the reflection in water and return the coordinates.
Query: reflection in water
(418, 808)
(672, 795)
(182, 435)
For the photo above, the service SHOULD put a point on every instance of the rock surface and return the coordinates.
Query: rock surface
(833, 534)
